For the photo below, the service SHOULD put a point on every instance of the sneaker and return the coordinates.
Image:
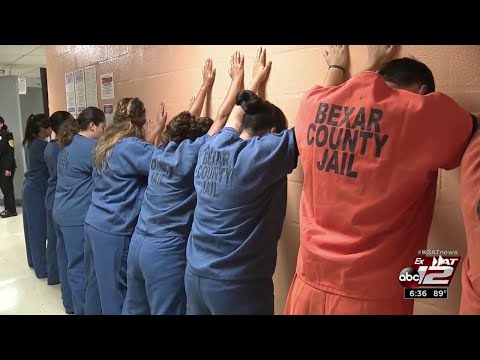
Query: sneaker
(7, 214)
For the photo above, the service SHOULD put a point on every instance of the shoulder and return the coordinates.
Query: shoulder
(52, 145)
(7, 134)
(132, 140)
(82, 141)
(472, 153)
(132, 146)
(361, 79)
(42, 144)
(225, 133)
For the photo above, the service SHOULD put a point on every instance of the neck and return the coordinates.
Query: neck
(86, 133)
(245, 135)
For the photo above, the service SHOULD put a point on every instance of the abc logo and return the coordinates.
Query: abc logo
(409, 277)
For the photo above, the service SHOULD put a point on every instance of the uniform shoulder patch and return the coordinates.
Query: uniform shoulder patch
(10, 142)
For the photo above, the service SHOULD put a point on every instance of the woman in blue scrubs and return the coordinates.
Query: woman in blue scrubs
(34, 190)
(56, 257)
(241, 186)
(156, 259)
(73, 194)
(122, 161)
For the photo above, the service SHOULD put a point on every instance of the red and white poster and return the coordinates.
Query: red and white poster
(106, 83)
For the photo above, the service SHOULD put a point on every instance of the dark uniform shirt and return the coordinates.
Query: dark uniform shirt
(7, 159)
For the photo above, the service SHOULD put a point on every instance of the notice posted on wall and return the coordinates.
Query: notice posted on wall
(108, 111)
(70, 92)
(80, 90)
(22, 85)
(91, 86)
(108, 89)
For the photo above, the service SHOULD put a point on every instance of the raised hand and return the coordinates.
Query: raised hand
(208, 73)
(260, 67)
(378, 55)
(236, 73)
(336, 55)
(236, 70)
(161, 116)
(153, 128)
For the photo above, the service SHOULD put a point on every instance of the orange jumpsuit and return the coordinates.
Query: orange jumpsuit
(370, 156)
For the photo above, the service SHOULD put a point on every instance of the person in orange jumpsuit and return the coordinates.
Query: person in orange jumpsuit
(371, 148)
(470, 201)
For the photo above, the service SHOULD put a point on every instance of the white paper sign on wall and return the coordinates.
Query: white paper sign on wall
(80, 90)
(70, 93)
(108, 89)
(22, 85)
(91, 86)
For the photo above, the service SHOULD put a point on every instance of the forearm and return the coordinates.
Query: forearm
(372, 66)
(235, 120)
(255, 86)
(153, 137)
(197, 105)
(334, 77)
(150, 138)
(262, 91)
(207, 107)
(226, 108)
(156, 142)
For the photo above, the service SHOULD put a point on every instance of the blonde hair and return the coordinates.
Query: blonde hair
(128, 120)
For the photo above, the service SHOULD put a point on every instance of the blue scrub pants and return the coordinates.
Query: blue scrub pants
(228, 297)
(93, 305)
(62, 270)
(155, 276)
(52, 260)
(35, 229)
(110, 267)
(74, 240)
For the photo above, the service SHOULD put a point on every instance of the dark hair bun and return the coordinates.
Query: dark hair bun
(249, 102)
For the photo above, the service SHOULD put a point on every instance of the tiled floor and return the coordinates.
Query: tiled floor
(20, 291)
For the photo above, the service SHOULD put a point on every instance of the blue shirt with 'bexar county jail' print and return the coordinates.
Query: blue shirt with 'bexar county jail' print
(74, 181)
(170, 198)
(118, 189)
(241, 190)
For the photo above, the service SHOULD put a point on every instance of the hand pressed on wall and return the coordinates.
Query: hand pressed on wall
(378, 55)
(336, 55)
(261, 69)
(208, 73)
(236, 70)
(153, 128)
(161, 116)
(237, 74)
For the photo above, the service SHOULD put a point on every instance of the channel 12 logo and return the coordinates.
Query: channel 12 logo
(429, 271)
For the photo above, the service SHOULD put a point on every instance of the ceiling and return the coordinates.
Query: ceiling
(22, 60)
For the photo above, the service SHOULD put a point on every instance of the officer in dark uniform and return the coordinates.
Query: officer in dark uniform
(7, 170)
